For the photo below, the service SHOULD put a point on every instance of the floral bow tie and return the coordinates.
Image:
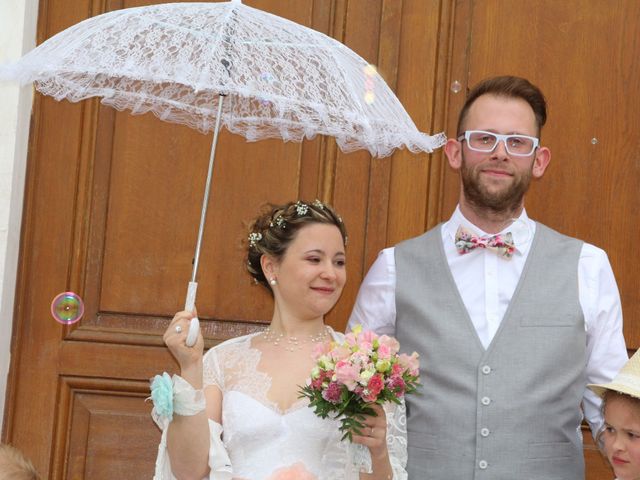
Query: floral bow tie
(502, 244)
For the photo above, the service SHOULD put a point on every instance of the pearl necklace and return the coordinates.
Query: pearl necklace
(292, 343)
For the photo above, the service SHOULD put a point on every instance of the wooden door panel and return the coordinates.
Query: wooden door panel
(151, 225)
(110, 434)
(420, 67)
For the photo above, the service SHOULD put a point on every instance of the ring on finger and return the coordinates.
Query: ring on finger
(371, 432)
(178, 328)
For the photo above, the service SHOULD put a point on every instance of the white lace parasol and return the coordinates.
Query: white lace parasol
(208, 65)
(281, 79)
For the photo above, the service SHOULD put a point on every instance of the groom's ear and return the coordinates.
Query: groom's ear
(453, 151)
(541, 162)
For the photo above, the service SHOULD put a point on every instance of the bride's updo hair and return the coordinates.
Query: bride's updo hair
(276, 227)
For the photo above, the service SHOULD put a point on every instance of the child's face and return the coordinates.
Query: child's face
(622, 436)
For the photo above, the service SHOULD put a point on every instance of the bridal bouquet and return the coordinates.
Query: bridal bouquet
(352, 375)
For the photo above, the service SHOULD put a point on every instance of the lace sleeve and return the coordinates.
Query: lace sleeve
(397, 439)
(337, 458)
(211, 372)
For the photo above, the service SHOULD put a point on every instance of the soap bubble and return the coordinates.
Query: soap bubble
(67, 308)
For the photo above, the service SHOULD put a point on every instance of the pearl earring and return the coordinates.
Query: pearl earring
(273, 281)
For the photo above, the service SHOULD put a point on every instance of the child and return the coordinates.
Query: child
(15, 466)
(620, 436)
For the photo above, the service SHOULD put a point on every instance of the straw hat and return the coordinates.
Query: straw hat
(626, 381)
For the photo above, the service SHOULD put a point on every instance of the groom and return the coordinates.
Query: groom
(511, 318)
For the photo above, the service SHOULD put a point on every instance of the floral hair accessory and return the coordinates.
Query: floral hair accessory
(301, 208)
(254, 238)
(280, 222)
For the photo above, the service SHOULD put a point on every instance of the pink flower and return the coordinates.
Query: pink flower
(297, 471)
(325, 375)
(384, 352)
(374, 387)
(347, 374)
(332, 393)
(360, 358)
(350, 339)
(389, 342)
(410, 362)
(320, 349)
(316, 384)
(366, 339)
(367, 336)
(397, 369)
(397, 385)
(376, 384)
(340, 353)
(369, 398)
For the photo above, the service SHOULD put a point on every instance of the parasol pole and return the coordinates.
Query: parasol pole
(190, 302)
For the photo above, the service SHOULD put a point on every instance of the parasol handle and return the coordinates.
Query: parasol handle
(194, 326)
(189, 305)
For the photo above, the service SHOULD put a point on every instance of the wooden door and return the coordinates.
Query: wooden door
(113, 201)
(111, 211)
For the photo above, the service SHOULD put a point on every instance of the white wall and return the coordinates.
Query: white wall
(17, 36)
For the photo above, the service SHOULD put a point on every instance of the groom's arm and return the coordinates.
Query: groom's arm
(606, 350)
(375, 307)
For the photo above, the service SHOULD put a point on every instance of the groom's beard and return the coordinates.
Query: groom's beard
(505, 200)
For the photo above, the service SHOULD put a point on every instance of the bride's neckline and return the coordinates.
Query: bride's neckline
(248, 376)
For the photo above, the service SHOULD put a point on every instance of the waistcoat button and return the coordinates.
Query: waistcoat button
(485, 432)
(486, 369)
(485, 401)
(483, 464)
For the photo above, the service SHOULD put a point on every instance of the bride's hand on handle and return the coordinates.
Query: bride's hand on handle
(189, 358)
(187, 435)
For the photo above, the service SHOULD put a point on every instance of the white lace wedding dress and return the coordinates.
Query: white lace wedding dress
(261, 440)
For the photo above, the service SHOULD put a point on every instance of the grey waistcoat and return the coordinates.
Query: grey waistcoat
(511, 411)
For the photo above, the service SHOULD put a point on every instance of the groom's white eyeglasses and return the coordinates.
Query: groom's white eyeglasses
(481, 141)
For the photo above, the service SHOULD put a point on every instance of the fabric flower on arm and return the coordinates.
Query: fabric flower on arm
(162, 396)
(174, 395)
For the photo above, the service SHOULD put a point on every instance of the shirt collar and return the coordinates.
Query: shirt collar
(522, 229)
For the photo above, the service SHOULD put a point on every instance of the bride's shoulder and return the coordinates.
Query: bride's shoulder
(230, 345)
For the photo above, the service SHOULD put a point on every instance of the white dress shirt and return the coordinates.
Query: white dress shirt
(486, 283)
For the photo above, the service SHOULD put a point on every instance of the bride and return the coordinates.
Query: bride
(238, 414)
